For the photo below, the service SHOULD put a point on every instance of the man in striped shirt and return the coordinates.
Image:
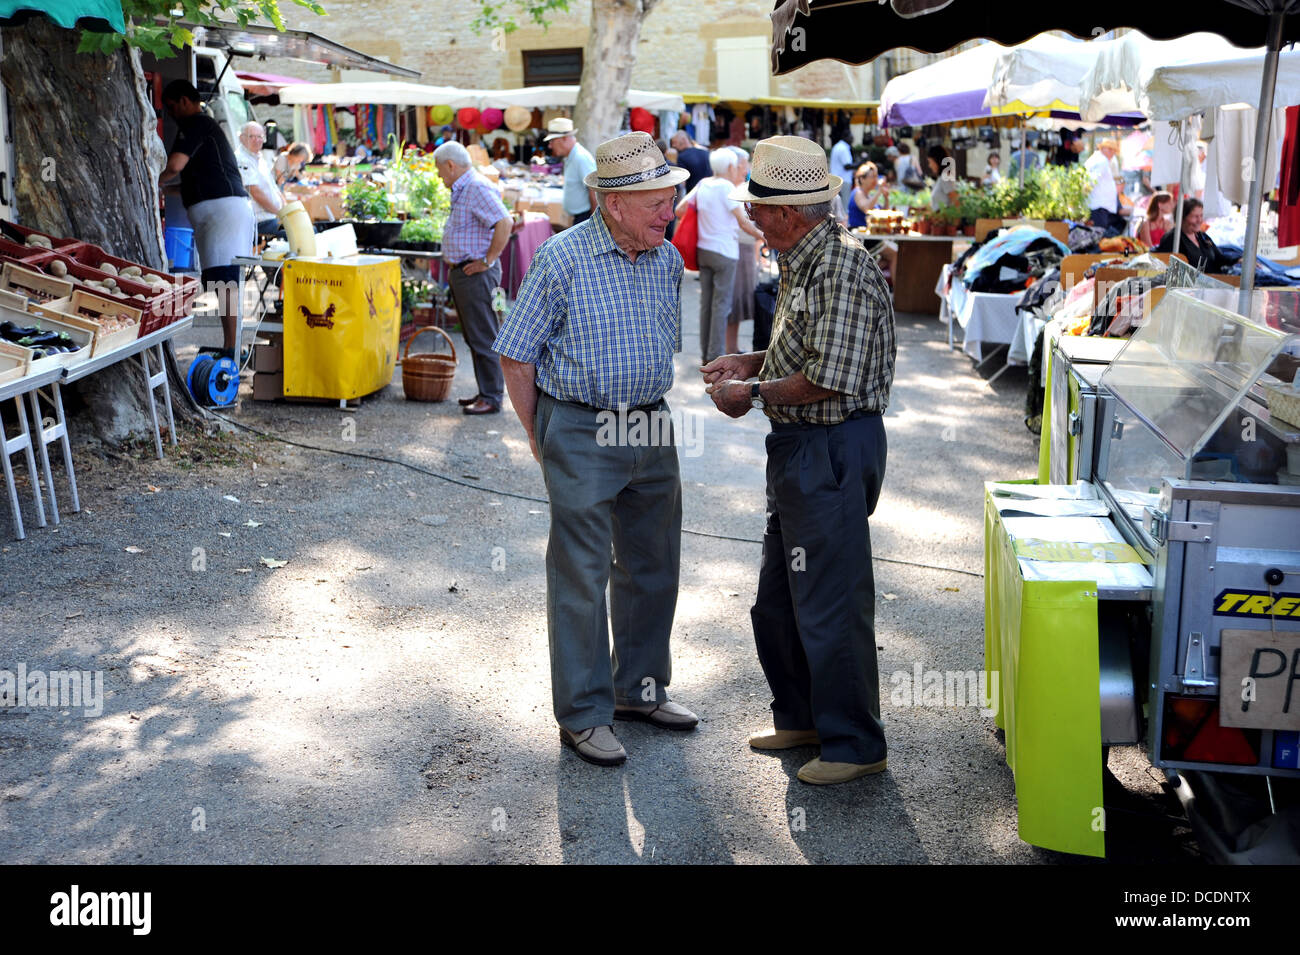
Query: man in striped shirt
(475, 235)
(823, 383)
(587, 352)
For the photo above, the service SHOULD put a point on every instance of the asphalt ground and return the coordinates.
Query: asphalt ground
(383, 696)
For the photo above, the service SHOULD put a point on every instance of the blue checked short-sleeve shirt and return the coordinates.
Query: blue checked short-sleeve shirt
(600, 328)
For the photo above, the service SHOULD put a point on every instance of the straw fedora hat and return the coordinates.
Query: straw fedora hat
(631, 163)
(788, 171)
(558, 127)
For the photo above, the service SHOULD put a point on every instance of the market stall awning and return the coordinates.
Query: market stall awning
(541, 97)
(382, 93)
(267, 84)
(1171, 82)
(101, 16)
(956, 89)
(266, 41)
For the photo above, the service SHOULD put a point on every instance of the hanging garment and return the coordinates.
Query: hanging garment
(1288, 210)
(421, 125)
(318, 130)
(1234, 138)
(300, 127)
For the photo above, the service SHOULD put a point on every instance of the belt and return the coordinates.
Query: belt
(593, 408)
(808, 425)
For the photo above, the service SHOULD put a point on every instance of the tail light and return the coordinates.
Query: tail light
(1192, 734)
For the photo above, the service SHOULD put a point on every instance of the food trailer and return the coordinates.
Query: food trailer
(1155, 600)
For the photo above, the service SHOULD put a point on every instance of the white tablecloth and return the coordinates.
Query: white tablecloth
(985, 317)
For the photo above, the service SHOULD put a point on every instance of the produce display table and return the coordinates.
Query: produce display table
(148, 347)
(23, 442)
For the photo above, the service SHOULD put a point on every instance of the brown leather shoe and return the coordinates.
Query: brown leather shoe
(784, 739)
(481, 406)
(597, 745)
(820, 773)
(666, 715)
(465, 402)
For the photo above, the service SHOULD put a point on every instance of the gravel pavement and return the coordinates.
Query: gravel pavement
(383, 696)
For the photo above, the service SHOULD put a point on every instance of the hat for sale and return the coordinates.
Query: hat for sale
(518, 119)
(788, 171)
(631, 163)
(468, 117)
(558, 128)
(491, 118)
(440, 115)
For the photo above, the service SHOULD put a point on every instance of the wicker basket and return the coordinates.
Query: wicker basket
(1284, 403)
(427, 376)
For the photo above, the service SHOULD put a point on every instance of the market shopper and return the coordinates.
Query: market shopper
(1201, 252)
(212, 191)
(944, 191)
(692, 157)
(590, 340)
(476, 233)
(561, 139)
(842, 159)
(290, 162)
(718, 248)
(748, 238)
(1104, 198)
(823, 383)
(1159, 219)
(870, 193)
(264, 197)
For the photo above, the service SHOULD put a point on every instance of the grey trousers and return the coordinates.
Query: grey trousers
(480, 324)
(605, 495)
(814, 616)
(717, 287)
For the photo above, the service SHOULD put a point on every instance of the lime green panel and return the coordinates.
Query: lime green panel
(1041, 639)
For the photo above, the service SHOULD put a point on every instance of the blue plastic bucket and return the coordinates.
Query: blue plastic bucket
(179, 244)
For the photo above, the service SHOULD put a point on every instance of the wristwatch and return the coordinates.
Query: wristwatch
(755, 397)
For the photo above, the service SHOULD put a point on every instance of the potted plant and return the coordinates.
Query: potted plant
(370, 211)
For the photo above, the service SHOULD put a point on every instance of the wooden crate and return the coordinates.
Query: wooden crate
(79, 330)
(87, 310)
(33, 286)
(14, 362)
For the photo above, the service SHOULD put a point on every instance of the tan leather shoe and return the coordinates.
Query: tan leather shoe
(825, 774)
(784, 739)
(597, 745)
(666, 715)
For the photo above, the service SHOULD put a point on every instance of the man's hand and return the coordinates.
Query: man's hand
(475, 267)
(532, 443)
(731, 397)
(727, 367)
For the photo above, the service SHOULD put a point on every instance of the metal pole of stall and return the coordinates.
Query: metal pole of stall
(1263, 125)
(1024, 157)
(1182, 185)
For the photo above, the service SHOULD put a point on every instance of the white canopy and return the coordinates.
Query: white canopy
(381, 93)
(540, 97)
(1172, 79)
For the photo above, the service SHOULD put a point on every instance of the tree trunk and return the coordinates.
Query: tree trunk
(607, 67)
(87, 162)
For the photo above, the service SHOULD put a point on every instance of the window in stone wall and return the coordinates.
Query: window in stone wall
(553, 67)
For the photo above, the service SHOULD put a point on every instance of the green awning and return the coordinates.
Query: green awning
(102, 16)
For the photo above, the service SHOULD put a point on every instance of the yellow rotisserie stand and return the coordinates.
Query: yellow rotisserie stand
(342, 318)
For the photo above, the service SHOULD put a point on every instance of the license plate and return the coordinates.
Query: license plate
(1259, 679)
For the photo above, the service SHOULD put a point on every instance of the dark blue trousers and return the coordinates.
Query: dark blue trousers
(814, 618)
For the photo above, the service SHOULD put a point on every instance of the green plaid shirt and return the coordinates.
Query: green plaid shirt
(834, 322)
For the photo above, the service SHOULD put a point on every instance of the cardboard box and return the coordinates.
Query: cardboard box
(1073, 267)
(268, 357)
(268, 387)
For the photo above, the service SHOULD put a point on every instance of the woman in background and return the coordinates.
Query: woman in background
(1159, 220)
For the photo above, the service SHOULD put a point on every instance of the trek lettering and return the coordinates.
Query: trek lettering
(1256, 603)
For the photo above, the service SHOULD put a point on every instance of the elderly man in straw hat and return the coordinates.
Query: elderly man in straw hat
(562, 140)
(589, 344)
(823, 383)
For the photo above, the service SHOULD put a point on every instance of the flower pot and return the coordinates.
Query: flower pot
(923, 226)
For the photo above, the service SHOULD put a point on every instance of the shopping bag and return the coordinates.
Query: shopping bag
(687, 236)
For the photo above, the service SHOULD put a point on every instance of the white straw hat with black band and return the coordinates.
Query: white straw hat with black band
(559, 127)
(631, 163)
(788, 171)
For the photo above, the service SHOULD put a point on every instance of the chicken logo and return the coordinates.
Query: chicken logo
(318, 319)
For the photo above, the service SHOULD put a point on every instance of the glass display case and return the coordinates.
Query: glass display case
(1191, 398)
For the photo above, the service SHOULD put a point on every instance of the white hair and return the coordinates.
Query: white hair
(813, 212)
(740, 153)
(454, 153)
(251, 125)
(722, 161)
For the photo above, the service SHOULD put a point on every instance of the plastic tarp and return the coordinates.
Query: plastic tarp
(1172, 79)
(383, 93)
(541, 97)
(100, 16)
